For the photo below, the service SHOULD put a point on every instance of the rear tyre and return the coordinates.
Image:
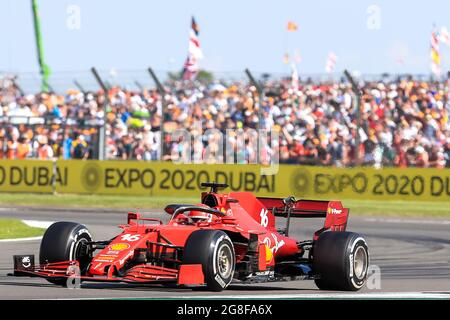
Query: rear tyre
(214, 250)
(340, 259)
(65, 241)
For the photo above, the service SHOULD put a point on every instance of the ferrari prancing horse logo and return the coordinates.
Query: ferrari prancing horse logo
(276, 246)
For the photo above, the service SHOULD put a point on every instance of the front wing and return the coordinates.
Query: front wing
(143, 273)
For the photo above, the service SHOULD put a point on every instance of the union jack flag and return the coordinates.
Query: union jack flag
(331, 62)
(435, 55)
(190, 68)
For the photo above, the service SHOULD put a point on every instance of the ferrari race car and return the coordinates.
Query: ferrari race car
(228, 236)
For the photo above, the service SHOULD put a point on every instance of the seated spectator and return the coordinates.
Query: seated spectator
(44, 151)
(404, 123)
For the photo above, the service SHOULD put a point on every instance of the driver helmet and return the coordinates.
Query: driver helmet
(199, 216)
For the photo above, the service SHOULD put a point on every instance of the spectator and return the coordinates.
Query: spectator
(44, 151)
(404, 123)
(80, 148)
(23, 147)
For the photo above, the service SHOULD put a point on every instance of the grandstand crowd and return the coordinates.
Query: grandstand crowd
(404, 123)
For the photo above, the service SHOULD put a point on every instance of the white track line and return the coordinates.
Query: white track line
(38, 224)
(353, 296)
(21, 239)
(31, 223)
(381, 295)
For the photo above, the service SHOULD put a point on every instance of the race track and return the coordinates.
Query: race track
(412, 254)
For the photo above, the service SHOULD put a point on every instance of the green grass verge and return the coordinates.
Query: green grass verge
(398, 208)
(12, 229)
(357, 207)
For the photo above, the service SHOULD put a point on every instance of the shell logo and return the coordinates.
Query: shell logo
(119, 246)
(269, 254)
(333, 211)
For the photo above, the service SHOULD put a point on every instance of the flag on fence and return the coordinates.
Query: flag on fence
(444, 36)
(286, 58)
(190, 68)
(297, 56)
(194, 43)
(292, 26)
(331, 62)
(435, 55)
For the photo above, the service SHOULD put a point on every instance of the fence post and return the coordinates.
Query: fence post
(44, 69)
(54, 169)
(102, 140)
(139, 85)
(260, 103)
(162, 92)
(50, 88)
(79, 86)
(357, 92)
(18, 87)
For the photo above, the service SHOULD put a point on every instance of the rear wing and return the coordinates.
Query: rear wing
(335, 214)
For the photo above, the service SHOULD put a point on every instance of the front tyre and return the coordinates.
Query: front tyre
(214, 250)
(64, 241)
(340, 259)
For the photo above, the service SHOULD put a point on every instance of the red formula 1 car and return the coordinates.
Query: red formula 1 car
(224, 238)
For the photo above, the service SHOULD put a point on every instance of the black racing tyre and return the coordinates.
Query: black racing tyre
(63, 241)
(340, 259)
(214, 250)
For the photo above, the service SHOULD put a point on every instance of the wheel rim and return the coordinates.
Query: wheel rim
(360, 262)
(83, 260)
(224, 261)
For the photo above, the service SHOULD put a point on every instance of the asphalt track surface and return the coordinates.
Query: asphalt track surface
(412, 254)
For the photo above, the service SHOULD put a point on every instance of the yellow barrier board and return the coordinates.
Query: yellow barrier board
(169, 179)
(27, 176)
(159, 179)
(367, 183)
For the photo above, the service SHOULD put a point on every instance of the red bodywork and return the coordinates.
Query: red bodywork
(149, 251)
